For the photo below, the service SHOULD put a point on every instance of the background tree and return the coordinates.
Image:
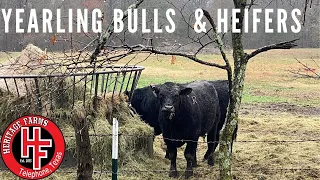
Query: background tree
(309, 36)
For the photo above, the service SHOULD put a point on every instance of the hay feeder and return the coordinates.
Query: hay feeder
(76, 95)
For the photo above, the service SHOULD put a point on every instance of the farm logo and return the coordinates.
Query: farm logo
(32, 147)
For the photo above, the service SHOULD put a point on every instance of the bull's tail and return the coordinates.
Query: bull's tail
(235, 133)
(234, 136)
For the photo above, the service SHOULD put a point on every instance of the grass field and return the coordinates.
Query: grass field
(6, 56)
(276, 106)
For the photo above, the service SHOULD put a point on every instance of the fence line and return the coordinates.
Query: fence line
(186, 140)
(217, 170)
(125, 171)
(249, 170)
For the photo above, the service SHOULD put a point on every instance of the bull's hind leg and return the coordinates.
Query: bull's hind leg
(190, 155)
(213, 140)
(195, 164)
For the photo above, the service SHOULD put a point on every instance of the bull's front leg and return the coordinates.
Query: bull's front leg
(172, 153)
(190, 155)
(167, 154)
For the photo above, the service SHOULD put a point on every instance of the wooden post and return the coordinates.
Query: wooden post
(150, 146)
(83, 148)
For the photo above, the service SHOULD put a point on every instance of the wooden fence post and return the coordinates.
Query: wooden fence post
(150, 146)
(83, 148)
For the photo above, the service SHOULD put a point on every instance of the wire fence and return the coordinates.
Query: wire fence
(250, 170)
(127, 171)
(206, 142)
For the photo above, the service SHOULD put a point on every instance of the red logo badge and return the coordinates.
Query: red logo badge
(32, 147)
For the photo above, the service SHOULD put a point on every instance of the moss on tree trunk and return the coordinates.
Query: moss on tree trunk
(240, 64)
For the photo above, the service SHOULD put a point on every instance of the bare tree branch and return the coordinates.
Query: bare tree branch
(220, 44)
(139, 48)
(304, 72)
(189, 56)
(306, 4)
(252, 3)
(217, 37)
(203, 41)
(105, 36)
(282, 45)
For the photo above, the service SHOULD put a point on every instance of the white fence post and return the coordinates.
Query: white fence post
(115, 149)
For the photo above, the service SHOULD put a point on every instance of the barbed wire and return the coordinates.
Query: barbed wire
(185, 140)
(206, 142)
(248, 141)
(217, 170)
(125, 171)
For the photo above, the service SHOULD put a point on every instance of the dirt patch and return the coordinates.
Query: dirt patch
(259, 93)
(306, 110)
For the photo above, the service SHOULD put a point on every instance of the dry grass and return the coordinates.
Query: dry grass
(276, 107)
(268, 78)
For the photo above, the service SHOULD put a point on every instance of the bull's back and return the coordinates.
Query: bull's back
(222, 88)
(206, 98)
(204, 93)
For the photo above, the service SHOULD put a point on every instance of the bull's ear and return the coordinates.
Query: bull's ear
(185, 91)
(155, 90)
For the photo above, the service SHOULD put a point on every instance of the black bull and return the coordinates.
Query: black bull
(148, 106)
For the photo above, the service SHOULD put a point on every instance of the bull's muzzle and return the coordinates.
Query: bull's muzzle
(168, 108)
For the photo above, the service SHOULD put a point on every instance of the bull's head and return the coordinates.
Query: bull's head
(169, 95)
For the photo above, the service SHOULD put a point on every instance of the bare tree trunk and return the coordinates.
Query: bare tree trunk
(237, 83)
(240, 64)
(83, 147)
